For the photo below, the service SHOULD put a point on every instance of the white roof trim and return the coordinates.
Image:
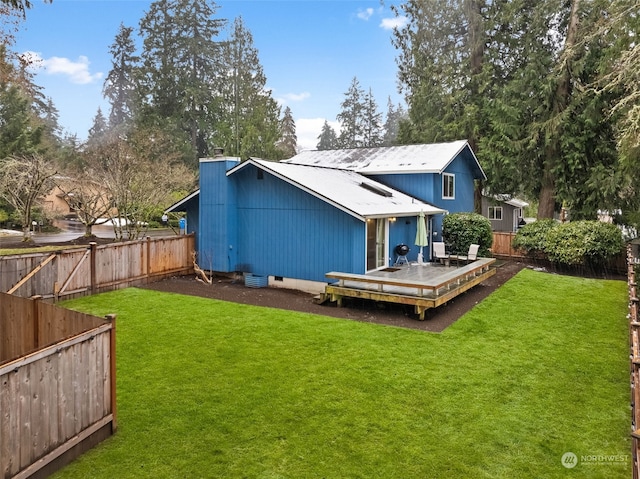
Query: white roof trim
(508, 200)
(175, 206)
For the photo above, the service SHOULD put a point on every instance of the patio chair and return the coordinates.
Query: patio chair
(471, 255)
(440, 254)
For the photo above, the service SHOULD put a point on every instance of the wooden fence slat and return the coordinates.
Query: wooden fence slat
(634, 348)
(110, 266)
(24, 412)
(32, 273)
(53, 398)
(75, 270)
(39, 464)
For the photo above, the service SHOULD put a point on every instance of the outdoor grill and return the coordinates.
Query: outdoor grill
(402, 249)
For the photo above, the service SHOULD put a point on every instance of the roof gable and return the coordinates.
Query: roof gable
(405, 159)
(181, 205)
(509, 200)
(347, 190)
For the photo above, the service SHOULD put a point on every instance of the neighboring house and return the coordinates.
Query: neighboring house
(504, 212)
(70, 198)
(321, 211)
(55, 204)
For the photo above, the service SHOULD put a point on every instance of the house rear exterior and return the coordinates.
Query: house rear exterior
(321, 211)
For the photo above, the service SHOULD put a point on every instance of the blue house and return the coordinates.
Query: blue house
(321, 211)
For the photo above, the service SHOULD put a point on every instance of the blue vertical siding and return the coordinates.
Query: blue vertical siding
(428, 186)
(192, 211)
(262, 224)
(424, 186)
(464, 186)
(284, 231)
(218, 217)
(403, 230)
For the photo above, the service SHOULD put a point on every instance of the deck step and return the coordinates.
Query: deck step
(321, 298)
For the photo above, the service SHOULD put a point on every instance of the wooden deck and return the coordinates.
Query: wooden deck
(424, 286)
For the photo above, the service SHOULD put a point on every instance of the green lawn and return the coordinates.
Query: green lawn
(214, 389)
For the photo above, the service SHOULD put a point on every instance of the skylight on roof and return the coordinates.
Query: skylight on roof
(376, 189)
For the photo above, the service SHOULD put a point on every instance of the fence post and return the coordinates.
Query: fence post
(92, 261)
(112, 370)
(148, 259)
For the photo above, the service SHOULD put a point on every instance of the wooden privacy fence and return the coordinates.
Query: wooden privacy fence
(77, 272)
(501, 248)
(57, 378)
(502, 245)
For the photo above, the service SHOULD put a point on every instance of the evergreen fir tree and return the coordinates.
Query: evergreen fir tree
(120, 85)
(22, 129)
(180, 64)
(512, 77)
(371, 122)
(351, 117)
(249, 118)
(327, 140)
(99, 128)
(288, 144)
(395, 114)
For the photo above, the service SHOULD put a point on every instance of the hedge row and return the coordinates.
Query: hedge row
(460, 230)
(577, 243)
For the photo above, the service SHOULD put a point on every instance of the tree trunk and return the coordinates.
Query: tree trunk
(547, 198)
(476, 39)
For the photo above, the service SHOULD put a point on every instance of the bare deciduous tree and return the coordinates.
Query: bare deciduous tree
(138, 179)
(89, 199)
(24, 180)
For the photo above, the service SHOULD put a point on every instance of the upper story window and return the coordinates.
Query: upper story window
(495, 212)
(448, 186)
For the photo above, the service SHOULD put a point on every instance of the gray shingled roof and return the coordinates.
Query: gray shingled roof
(428, 158)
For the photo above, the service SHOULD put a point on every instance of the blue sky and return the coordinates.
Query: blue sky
(310, 51)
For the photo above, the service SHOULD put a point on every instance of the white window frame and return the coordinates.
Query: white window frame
(446, 178)
(491, 213)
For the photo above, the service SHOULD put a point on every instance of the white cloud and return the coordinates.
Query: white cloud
(77, 71)
(308, 130)
(365, 14)
(287, 97)
(393, 22)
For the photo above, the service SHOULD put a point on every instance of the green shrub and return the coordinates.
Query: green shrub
(588, 243)
(460, 230)
(532, 238)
